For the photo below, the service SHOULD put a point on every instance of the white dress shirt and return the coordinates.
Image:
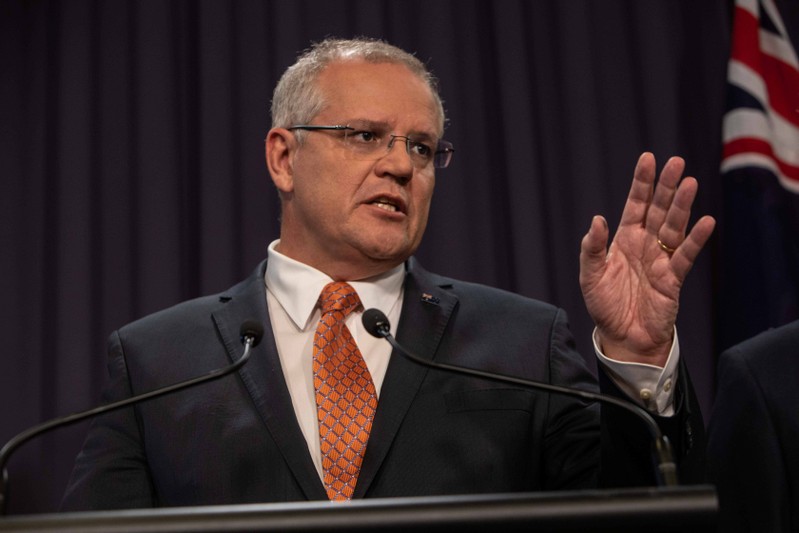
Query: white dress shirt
(292, 292)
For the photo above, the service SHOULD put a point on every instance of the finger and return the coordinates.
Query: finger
(593, 252)
(640, 194)
(664, 195)
(684, 257)
(672, 232)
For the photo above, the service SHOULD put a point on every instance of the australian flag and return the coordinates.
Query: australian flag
(760, 172)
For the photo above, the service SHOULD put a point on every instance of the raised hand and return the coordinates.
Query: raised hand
(632, 288)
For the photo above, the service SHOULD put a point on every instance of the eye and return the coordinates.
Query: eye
(363, 136)
(421, 149)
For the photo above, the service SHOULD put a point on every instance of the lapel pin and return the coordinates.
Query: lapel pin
(430, 299)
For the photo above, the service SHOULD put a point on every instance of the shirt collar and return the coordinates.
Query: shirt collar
(296, 287)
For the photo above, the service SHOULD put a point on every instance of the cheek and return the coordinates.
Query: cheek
(424, 196)
(321, 185)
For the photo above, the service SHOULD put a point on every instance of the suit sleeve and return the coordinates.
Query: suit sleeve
(111, 470)
(627, 445)
(613, 448)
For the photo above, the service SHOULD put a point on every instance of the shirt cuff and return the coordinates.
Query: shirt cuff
(650, 386)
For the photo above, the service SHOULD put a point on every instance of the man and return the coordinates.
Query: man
(753, 433)
(356, 138)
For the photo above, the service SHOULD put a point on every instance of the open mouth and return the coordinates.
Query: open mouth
(385, 204)
(391, 205)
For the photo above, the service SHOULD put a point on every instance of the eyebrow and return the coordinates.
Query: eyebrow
(386, 127)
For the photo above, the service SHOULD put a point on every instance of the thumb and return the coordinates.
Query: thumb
(593, 252)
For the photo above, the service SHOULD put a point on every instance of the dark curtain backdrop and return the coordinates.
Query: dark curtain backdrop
(131, 152)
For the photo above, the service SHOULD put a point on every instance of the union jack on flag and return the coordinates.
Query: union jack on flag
(761, 125)
(759, 281)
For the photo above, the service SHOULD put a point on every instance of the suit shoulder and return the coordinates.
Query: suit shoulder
(484, 296)
(176, 315)
(190, 313)
(773, 348)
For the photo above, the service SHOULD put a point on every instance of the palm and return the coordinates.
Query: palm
(632, 290)
(637, 292)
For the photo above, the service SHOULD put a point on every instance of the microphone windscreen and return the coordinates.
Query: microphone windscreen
(253, 329)
(376, 322)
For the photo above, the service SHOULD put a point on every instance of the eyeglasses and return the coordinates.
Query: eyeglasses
(368, 143)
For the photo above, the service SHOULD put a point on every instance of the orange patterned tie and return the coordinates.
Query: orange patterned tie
(345, 394)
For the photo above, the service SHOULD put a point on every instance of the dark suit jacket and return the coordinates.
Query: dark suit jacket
(753, 447)
(236, 440)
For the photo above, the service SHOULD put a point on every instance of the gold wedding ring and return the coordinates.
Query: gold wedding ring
(665, 248)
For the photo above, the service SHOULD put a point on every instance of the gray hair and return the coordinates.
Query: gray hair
(297, 98)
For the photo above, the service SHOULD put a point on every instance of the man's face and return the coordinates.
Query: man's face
(351, 217)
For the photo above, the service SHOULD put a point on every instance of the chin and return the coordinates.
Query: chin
(389, 254)
(385, 245)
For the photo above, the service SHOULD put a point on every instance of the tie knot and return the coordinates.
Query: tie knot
(338, 296)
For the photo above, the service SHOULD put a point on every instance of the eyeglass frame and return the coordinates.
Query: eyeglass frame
(442, 146)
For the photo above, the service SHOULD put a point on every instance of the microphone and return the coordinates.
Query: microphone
(378, 325)
(251, 333)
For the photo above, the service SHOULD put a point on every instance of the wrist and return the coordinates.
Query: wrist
(631, 352)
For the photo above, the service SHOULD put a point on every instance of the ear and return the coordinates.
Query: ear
(280, 148)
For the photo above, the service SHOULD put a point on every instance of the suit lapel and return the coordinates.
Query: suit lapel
(263, 377)
(426, 309)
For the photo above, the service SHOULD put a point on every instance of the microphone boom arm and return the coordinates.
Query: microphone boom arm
(378, 326)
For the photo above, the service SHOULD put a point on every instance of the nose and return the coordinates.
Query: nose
(399, 167)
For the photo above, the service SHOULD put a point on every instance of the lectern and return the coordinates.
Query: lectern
(650, 510)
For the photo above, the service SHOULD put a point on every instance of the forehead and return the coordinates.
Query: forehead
(380, 92)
